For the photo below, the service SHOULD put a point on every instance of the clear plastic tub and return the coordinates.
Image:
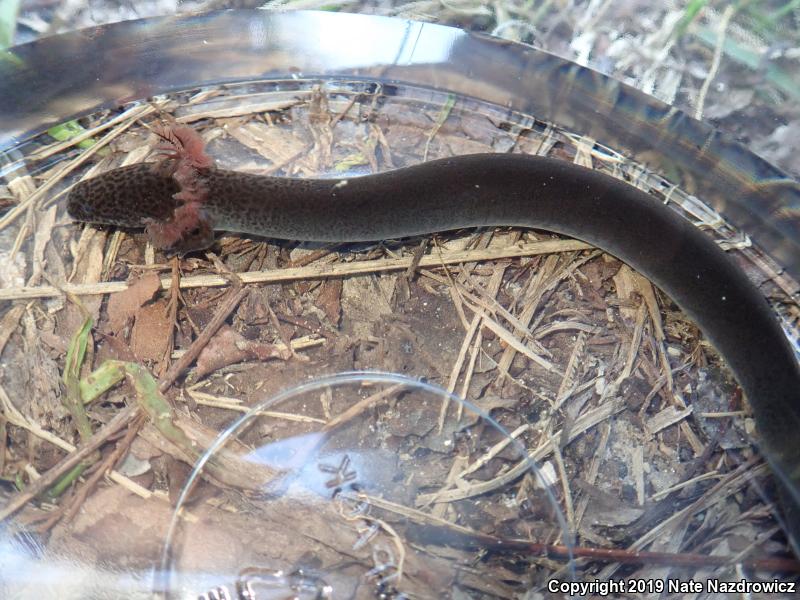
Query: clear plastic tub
(619, 459)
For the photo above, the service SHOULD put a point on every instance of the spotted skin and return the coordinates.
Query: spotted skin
(124, 197)
(513, 190)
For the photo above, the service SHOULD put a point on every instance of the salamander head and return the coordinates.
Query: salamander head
(127, 197)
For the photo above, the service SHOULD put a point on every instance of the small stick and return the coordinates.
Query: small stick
(67, 512)
(281, 333)
(416, 257)
(172, 308)
(311, 257)
(558, 551)
(307, 324)
(312, 271)
(48, 479)
(109, 463)
(230, 304)
(712, 71)
(362, 405)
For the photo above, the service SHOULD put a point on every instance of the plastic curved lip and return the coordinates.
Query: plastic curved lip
(55, 78)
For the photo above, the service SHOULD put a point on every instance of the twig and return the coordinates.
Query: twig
(202, 340)
(48, 479)
(468, 489)
(362, 405)
(558, 551)
(311, 257)
(417, 255)
(730, 10)
(41, 191)
(109, 463)
(444, 113)
(459, 362)
(235, 404)
(67, 512)
(172, 308)
(308, 272)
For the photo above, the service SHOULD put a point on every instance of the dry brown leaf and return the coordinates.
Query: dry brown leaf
(330, 300)
(124, 305)
(228, 348)
(149, 337)
(43, 235)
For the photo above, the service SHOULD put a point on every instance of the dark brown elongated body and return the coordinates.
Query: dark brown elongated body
(514, 190)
